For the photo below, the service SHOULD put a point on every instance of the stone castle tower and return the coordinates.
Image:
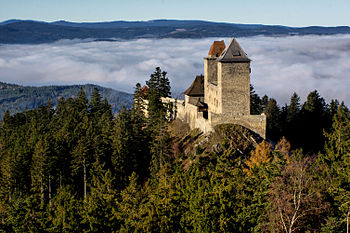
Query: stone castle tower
(227, 79)
(223, 94)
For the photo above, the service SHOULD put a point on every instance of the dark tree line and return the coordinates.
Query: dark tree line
(302, 124)
(16, 98)
(78, 168)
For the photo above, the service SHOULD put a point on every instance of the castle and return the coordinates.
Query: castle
(222, 95)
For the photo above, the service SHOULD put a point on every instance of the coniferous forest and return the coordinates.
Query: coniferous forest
(79, 168)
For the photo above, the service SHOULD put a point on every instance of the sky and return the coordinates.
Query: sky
(280, 65)
(272, 12)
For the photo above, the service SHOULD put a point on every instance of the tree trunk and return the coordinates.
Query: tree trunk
(10, 194)
(84, 179)
(50, 191)
(60, 179)
(42, 192)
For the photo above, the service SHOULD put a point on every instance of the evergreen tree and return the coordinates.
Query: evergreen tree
(128, 211)
(314, 118)
(337, 169)
(82, 155)
(97, 211)
(40, 168)
(333, 107)
(293, 108)
(273, 118)
(160, 149)
(256, 106)
(292, 128)
(158, 87)
(130, 152)
(64, 212)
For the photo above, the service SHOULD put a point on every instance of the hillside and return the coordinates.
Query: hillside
(76, 168)
(34, 32)
(16, 98)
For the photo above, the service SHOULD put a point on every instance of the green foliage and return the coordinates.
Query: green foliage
(75, 168)
(64, 212)
(97, 211)
(336, 167)
(301, 124)
(158, 87)
(256, 106)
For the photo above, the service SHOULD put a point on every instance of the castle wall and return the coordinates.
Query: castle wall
(210, 81)
(203, 124)
(193, 100)
(213, 96)
(234, 83)
(189, 113)
(256, 123)
(210, 71)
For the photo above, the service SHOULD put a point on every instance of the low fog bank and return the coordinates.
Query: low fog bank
(280, 65)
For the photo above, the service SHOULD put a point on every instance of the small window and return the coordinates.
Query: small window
(236, 53)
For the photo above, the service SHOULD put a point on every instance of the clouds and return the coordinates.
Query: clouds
(280, 65)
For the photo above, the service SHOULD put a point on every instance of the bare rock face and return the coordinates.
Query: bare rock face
(192, 146)
(231, 137)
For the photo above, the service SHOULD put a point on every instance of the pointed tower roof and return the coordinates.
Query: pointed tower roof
(197, 87)
(233, 53)
(216, 48)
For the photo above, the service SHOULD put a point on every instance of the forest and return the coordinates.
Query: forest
(17, 98)
(79, 168)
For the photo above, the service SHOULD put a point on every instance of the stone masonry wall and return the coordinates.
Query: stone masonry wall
(189, 113)
(213, 97)
(210, 70)
(256, 123)
(234, 83)
(210, 79)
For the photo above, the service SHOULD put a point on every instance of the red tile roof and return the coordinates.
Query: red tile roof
(216, 48)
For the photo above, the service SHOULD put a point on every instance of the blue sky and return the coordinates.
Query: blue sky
(282, 12)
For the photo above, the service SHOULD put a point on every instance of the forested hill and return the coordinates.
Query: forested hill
(34, 32)
(16, 98)
(78, 168)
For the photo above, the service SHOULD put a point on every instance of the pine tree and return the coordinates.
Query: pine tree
(160, 149)
(256, 106)
(97, 211)
(158, 87)
(333, 107)
(273, 118)
(40, 168)
(129, 211)
(64, 212)
(293, 108)
(337, 169)
(314, 118)
(123, 159)
(82, 154)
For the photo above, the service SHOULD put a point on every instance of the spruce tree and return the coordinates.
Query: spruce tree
(314, 119)
(273, 118)
(158, 87)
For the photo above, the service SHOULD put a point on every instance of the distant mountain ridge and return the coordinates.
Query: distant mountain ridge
(36, 32)
(17, 98)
